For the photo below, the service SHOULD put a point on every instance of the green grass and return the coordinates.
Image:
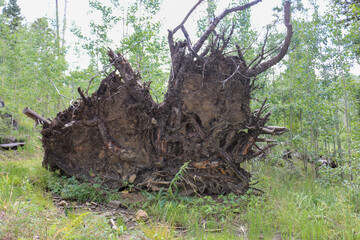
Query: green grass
(295, 206)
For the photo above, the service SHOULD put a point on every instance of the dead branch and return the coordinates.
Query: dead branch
(268, 53)
(216, 21)
(273, 130)
(260, 56)
(264, 149)
(241, 56)
(264, 140)
(189, 45)
(57, 90)
(36, 117)
(180, 26)
(86, 101)
(271, 62)
(261, 108)
(123, 66)
(12, 145)
(227, 40)
(187, 16)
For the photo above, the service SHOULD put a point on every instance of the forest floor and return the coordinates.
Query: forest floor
(37, 204)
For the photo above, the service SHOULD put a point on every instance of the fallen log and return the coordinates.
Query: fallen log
(12, 145)
(36, 117)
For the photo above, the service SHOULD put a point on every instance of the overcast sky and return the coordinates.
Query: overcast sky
(173, 11)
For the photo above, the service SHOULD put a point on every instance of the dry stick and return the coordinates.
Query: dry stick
(261, 55)
(264, 140)
(171, 33)
(253, 41)
(236, 70)
(187, 16)
(216, 21)
(123, 66)
(36, 117)
(11, 145)
(257, 110)
(109, 65)
(186, 34)
(227, 40)
(271, 62)
(264, 149)
(266, 55)
(112, 223)
(104, 69)
(241, 56)
(58, 90)
(86, 101)
(261, 108)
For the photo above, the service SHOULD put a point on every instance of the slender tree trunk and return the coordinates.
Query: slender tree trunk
(15, 103)
(337, 128)
(57, 27)
(64, 24)
(304, 149)
(290, 116)
(347, 115)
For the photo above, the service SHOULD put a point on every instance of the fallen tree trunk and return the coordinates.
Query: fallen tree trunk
(120, 135)
(12, 145)
(35, 116)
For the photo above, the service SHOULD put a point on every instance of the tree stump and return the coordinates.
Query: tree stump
(121, 136)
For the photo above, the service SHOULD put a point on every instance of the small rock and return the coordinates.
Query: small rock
(132, 178)
(141, 215)
(114, 204)
(62, 203)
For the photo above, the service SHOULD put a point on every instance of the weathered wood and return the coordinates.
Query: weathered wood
(12, 145)
(264, 149)
(36, 117)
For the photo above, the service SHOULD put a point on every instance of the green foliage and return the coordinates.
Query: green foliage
(30, 63)
(177, 178)
(307, 94)
(73, 189)
(12, 14)
(140, 41)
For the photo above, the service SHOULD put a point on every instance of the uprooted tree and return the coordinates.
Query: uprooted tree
(121, 136)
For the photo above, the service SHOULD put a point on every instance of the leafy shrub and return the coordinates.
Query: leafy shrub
(73, 189)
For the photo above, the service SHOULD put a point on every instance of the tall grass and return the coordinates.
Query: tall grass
(295, 205)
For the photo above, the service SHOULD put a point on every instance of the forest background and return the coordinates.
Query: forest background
(313, 92)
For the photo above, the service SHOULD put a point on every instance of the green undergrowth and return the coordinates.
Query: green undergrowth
(294, 205)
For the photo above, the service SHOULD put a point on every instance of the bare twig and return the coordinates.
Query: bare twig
(241, 56)
(86, 101)
(97, 74)
(187, 16)
(261, 55)
(261, 108)
(216, 21)
(112, 223)
(271, 62)
(264, 149)
(57, 90)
